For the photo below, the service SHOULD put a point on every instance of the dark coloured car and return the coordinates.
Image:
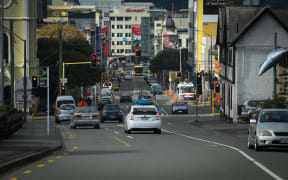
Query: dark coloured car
(156, 88)
(111, 112)
(125, 98)
(179, 107)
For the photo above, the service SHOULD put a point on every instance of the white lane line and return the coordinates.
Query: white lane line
(130, 137)
(106, 128)
(116, 132)
(258, 164)
(119, 125)
(169, 123)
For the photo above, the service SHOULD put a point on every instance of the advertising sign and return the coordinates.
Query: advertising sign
(98, 44)
(136, 31)
(171, 41)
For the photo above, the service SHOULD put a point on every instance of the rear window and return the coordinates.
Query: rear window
(111, 107)
(253, 103)
(146, 97)
(59, 103)
(144, 111)
(179, 104)
(67, 107)
(85, 110)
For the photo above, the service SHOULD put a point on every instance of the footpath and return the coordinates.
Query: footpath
(206, 119)
(29, 143)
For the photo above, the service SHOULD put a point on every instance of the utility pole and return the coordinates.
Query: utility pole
(274, 67)
(12, 61)
(60, 56)
(2, 55)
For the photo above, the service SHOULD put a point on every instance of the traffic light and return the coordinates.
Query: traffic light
(217, 88)
(179, 74)
(63, 88)
(93, 61)
(199, 78)
(34, 81)
(199, 89)
(138, 52)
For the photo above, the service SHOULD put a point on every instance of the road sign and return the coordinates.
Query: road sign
(43, 77)
(64, 80)
(124, 39)
(20, 96)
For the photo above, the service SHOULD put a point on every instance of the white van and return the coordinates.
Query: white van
(62, 100)
(106, 92)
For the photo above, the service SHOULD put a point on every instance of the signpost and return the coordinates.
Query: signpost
(43, 77)
(44, 82)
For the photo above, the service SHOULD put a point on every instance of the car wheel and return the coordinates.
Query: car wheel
(102, 120)
(97, 126)
(256, 145)
(120, 120)
(72, 126)
(157, 131)
(250, 146)
(128, 131)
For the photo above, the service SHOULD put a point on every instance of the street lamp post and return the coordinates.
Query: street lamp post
(2, 55)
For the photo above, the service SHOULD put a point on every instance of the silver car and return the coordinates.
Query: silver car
(268, 128)
(64, 113)
(85, 116)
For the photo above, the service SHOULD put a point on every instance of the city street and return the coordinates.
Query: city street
(182, 151)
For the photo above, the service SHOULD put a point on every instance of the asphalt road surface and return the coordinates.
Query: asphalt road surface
(181, 152)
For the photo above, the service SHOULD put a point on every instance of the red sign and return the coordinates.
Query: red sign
(136, 29)
(135, 10)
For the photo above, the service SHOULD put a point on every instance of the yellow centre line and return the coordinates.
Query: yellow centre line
(123, 142)
(27, 172)
(15, 178)
(40, 165)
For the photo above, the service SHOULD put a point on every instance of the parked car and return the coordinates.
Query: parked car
(179, 107)
(248, 105)
(85, 116)
(145, 96)
(65, 113)
(104, 100)
(156, 88)
(268, 128)
(142, 118)
(62, 100)
(111, 112)
(128, 76)
(125, 97)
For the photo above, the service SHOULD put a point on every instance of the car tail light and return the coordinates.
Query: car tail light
(59, 111)
(121, 112)
(96, 116)
(157, 116)
(77, 116)
(131, 116)
(104, 112)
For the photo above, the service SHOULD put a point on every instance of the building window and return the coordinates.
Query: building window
(112, 51)
(106, 14)
(120, 18)
(112, 18)
(128, 18)
(113, 42)
(135, 18)
(113, 35)
(113, 26)
(106, 23)
(120, 26)
(158, 25)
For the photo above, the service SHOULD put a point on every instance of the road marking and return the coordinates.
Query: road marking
(66, 154)
(116, 132)
(123, 142)
(27, 172)
(169, 123)
(50, 161)
(75, 147)
(40, 165)
(119, 125)
(258, 164)
(58, 157)
(72, 150)
(130, 137)
(15, 178)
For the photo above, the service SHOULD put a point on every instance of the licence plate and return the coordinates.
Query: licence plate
(112, 117)
(179, 110)
(284, 141)
(144, 118)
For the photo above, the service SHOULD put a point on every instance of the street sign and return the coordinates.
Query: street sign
(43, 77)
(124, 39)
(64, 80)
(21, 104)
(20, 96)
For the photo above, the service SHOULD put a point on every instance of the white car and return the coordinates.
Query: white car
(128, 76)
(143, 118)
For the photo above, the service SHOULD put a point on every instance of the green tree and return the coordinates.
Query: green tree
(170, 60)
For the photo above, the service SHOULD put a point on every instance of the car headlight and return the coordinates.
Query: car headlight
(264, 133)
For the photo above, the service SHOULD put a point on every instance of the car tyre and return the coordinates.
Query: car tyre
(72, 126)
(120, 120)
(128, 131)
(256, 145)
(97, 126)
(157, 131)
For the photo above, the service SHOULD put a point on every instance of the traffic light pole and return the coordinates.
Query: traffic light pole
(48, 103)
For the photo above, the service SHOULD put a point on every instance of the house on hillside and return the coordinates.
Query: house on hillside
(246, 35)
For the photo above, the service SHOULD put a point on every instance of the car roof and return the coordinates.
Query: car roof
(139, 105)
(274, 109)
(64, 98)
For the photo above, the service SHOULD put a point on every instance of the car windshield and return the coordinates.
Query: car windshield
(157, 86)
(111, 107)
(274, 116)
(67, 107)
(59, 103)
(187, 89)
(144, 111)
(85, 110)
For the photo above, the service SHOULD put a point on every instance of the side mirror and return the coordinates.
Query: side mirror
(253, 121)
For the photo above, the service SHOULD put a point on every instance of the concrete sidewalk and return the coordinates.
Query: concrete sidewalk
(29, 143)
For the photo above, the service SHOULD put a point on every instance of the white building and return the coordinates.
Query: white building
(123, 20)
